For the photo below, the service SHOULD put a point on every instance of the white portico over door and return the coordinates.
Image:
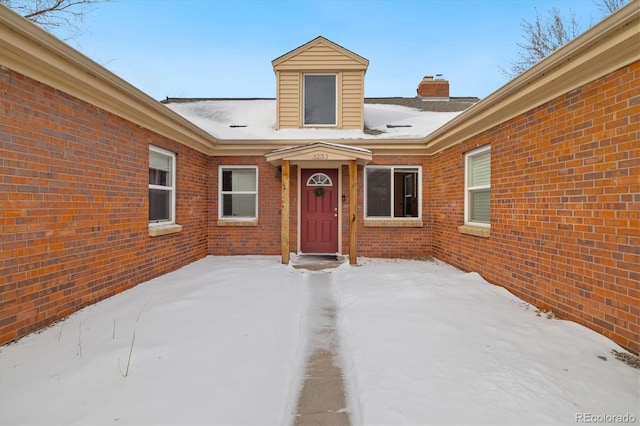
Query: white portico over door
(319, 156)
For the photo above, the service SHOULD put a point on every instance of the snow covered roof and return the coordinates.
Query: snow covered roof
(255, 119)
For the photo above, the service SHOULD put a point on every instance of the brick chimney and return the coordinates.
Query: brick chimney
(431, 88)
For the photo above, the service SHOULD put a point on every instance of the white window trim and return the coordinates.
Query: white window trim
(221, 193)
(172, 188)
(467, 189)
(304, 101)
(392, 196)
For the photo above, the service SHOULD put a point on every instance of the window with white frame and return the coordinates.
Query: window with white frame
(392, 192)
(320, 95)
(162, 184)
(238, 192)
(478, 187)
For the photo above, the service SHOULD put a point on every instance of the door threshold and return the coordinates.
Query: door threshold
(317, 262)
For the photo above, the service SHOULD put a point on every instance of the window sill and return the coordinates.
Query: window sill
(321, 126)
(231, 222)
(393, 223)
(158, 230)
(478, 231)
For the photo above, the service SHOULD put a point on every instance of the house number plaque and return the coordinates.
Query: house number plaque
(319, 156)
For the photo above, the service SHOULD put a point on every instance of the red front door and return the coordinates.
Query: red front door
(319, 211)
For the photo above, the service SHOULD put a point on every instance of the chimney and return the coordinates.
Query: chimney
(434, 89)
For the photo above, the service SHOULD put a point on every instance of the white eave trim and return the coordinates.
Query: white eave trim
(606, 47)
(226, 147)
(29, 50)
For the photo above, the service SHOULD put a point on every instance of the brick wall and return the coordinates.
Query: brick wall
(262, 239)
(565, 204)
(390, 241)
(565, 207)
(74, 206)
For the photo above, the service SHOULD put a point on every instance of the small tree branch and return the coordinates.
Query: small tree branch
(541, 37)
(53, 14)
(55, 6)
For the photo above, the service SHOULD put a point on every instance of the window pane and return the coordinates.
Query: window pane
(159, 205)
(479, 205)
(480, 169)
(158, 177)
(319, 179)
(378, 192)
(239, 205)
(161, 165)
(239, 180)
(319, 99)
(406, 196)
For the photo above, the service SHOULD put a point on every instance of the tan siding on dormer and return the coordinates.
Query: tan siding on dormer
(352, 100)
(289, 100)
(320, 56)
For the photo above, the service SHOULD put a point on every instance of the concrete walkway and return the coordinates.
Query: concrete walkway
(322, 399)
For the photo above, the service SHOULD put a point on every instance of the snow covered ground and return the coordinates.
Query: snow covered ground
(425, 343)
(222, 341)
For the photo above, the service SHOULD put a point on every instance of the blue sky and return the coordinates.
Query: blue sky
(216, 48)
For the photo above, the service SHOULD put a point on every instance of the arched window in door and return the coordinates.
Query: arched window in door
(319, 179)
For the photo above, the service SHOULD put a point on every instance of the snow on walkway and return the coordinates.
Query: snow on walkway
(223, 341)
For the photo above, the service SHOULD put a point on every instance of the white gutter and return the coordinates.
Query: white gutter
(35, 53)
(607, 47)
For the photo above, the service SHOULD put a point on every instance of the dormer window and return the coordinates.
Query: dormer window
(320, 84)
(320, 106)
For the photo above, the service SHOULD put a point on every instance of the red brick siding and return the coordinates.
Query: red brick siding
(565, 202)
(74, 206)
(390, 242)
(434, 89)
(263, 239)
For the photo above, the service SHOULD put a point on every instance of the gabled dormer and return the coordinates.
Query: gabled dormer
(320, 84)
